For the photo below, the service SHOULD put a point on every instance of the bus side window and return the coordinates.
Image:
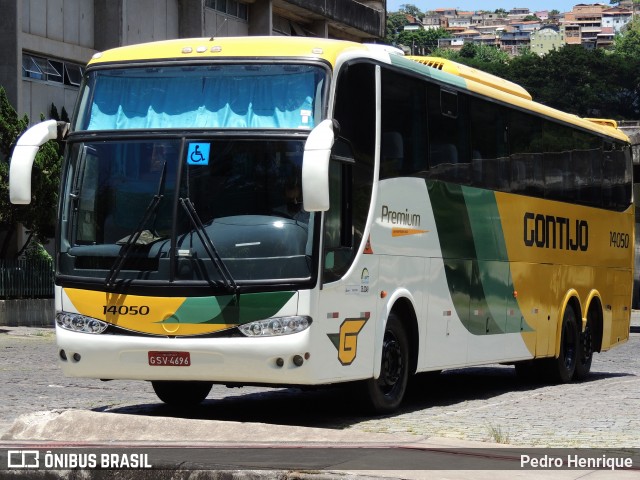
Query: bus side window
(448, 124)
(404, 125)
(525, 153)
(490, 164)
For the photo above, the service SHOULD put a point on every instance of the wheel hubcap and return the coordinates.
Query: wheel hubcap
(392, 364)
(569, 346)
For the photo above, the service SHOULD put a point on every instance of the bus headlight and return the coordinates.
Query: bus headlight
(80, 323)
(276, 326)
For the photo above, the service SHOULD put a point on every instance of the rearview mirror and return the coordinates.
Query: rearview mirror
(24, 155)
(315, 167)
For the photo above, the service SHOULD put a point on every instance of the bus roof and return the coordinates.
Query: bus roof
(445, 71)
(473, 74)
(235, 47)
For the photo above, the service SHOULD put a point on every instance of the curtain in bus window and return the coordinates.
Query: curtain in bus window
(266, 101)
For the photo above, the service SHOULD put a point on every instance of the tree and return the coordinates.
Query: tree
(38, 217)
(483, 57)
(395, 23)
(627, 44)
(422, 42)
(410, 9)
(589, 83)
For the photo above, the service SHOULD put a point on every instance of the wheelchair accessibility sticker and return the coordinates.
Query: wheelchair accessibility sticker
(198, 154)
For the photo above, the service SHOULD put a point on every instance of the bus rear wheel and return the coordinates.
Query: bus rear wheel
(387, 391)
(562, 369)
(181, 393)
(586, 347)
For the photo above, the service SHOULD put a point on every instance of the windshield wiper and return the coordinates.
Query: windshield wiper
(209, 247)
(140, 236)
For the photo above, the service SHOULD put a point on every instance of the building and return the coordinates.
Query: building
(548, 38)
(616, 18)
(514, 41)
(45, 44)
(594, 25)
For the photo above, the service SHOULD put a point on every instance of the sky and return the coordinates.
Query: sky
(491, 5)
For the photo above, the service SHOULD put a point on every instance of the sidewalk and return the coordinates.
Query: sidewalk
(253, 450)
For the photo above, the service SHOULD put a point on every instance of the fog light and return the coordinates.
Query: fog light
(276, 326)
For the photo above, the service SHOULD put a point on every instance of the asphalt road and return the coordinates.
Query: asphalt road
(480, 404)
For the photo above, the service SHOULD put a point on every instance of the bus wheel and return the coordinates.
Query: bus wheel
(181, 394)
(561, 369)
(585, 350)
(386, 392)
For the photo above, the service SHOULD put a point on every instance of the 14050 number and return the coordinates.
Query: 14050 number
(125, 309)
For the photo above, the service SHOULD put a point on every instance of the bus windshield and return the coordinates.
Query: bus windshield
(261, 96)
(216, 211)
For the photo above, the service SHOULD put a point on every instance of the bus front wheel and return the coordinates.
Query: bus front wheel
(387, 391)
(181, 394)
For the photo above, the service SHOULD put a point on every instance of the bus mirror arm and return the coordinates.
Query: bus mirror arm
(315, 167)
(24, 154)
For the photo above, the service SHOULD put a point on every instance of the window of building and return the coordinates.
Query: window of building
(233, 8)
(51, 70)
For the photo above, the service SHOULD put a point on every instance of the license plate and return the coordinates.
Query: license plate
(169, 359)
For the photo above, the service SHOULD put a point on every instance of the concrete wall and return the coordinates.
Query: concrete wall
(68, 21)
(27, 313)
(160, 21)
(218, 24)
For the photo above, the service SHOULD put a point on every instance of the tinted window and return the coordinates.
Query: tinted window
(404, 125)
(448, 135)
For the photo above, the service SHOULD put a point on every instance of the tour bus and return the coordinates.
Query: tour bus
(304, 211)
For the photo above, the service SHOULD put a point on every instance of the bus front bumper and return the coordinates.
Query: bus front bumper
(283, 360)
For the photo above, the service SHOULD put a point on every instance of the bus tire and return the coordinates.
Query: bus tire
(180, 393)
(586, 347)
(386, 392)
(562, 369)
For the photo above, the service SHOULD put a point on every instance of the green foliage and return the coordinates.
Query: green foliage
(593, 83)
(422, 42)
(10, 125)
(35, 251)
(411, 10)
(480, 55)
(395, 22)
(38, 217)
(584, 82)
(627, 44)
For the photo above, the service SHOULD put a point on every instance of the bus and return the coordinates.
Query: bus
(308, 212)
